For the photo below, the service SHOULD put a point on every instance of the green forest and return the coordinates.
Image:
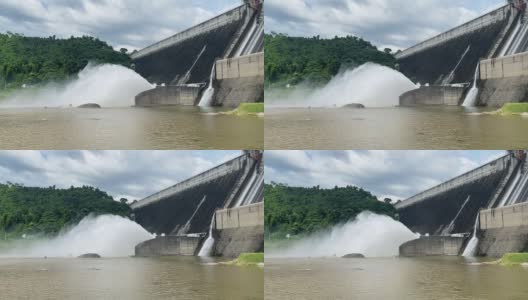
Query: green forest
(291, 60)
(34, 60)
(45, 211)
(300, 210)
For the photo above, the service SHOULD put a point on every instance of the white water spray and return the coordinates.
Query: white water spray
(471, 247)
(106, 235)
(370, 84)
(106, 85)
(369, 234)
(451, 225)
(471, 97)
(207, 247)
(207, 96)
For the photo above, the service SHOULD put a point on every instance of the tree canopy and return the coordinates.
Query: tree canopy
(291, 60)
(33, 60)
(300, 210)
(36, 210)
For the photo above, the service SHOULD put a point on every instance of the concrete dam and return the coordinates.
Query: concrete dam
(221, 208)
(219, 62)
(479, 63)
(479, 209)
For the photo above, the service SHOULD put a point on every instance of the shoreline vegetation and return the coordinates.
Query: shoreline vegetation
(27, 212)
(294, 212)
(290, 61)
(32, 61)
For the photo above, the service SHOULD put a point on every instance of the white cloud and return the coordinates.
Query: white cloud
(386, 23)
(129, 174)
(123, 23)
(393, 174)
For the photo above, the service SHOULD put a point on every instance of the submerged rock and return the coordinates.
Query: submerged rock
(354, 105)
(354, 255)
(89, 105)
(90, 255)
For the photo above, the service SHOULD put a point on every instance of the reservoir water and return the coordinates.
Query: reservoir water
(128, 278)
(434, 278)
(128, 128)
(433, 127)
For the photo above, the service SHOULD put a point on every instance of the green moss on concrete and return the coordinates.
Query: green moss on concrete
(248, 259)
(512, 259)
(245, 109)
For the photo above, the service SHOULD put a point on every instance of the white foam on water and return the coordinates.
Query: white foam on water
(370, 84)
(369, 234)
(106, 235)
(107, 85)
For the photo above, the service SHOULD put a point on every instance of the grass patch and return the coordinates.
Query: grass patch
(514, 108)
(245, 109)
(512, 259)
(511, 109)
(248, 259)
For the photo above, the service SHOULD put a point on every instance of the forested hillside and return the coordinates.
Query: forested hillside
(291, 60)
(299, 210)
(35, 210)
(32, 60)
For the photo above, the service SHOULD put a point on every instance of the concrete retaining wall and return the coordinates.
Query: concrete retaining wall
(244, 216)
(433, 95)
(433, 246)
(244, 66)
(508, 66)
(503, 230)
(495, 16)
(169, 95)
(239, 80)
(169, 245)
(496, 92)
(508, 216)
(239, 230)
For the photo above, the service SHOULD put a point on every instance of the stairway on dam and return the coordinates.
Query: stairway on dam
(185, 66)
(182, 215)
(467, 58)
(459, 207)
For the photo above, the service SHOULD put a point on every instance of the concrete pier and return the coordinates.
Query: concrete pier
(433, 246)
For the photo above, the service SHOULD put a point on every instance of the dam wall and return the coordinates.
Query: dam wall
(433, 95)
(453, 56)
(239, 230)
(169, 95)
(188, 206)
(188, 56)
(504, 80)
(503, 230)
(433, 246)
(169, 246)
(458, 200)
(239, 80)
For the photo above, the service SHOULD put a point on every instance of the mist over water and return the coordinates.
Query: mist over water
(107, 85)
(369, 234)
(106, 235)
(370, 84)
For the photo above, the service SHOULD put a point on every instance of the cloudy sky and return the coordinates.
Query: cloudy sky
(386, 23)
(129, 174)
(132, 24)
(393, 174)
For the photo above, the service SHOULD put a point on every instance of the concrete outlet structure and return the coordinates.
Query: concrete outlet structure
(433, 246)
